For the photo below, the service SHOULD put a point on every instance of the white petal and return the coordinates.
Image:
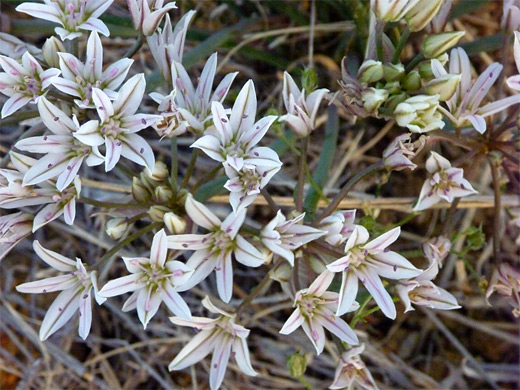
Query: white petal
(293, 322)
(112, 152)
(384, 240)
(200, 214)
(85, 314)
(347, 292)
(135, 148)
(206, 79)
(121, 285)
(175, 303)
(159, 249)
(210, 145)
(70, 66)
(94, 60)
(222, 89)
(247, 254)
(219, 361)
(188, 241)
(197, 349)
(221, 121)
(373, 284)
(242, 356)
(314, 331)
(41, 11)
(321, 283)
(14, 103)
(252, 135)
(70, 172)
(55, 260)
(148, 303)
(114, 75)
(95, 25)
(392, 265)
(130, 96)
(224, 273)
(56, 283)
(337, 326)
(61, 310)
(46, 144)
(244, 109)
(103, 104)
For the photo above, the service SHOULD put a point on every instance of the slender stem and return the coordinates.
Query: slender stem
(112, 205)
(400, 45)
(264, 283)
(496, 216)
(301, 173)
(125, 242)
(360, 313)
(136, 46)
(418, 58)
(379, 41)
(311, 35)
(174, 167)
(17, 117)
(371, 169)
(270, 201)
(190, 169)
(449, 218)
(207, 177)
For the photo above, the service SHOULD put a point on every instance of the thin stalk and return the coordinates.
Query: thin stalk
(311, 35)
(136, 46)
(448, 222)
(379, 41)
(400, 45)
(270, 201)
(264, 283)
(301, 173)
(496, 214)
(112, 205)
(415, 61)
(190, 169)
(371, 169)
(126, 241)
(174, 167)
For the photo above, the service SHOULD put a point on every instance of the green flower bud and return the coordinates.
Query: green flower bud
(174, 223)
(160, 171)
(436, 44)
(373, 98)
(139, 191)
(392, 102)
(309, 80)
(422, 13)
(370, 71)
(50, 50)
(444, 86)
(412, 81)
(163, 194)
(297, 364)
(282, 273)
(156, 213)
(393, 87)
(116, 227)
(393, 72)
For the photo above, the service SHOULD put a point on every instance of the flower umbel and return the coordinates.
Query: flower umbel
(75, 286)
(222, 336)
(315, 311)
(353, 371)
(153, 280)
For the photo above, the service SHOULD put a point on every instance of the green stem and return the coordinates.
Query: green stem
(359, 314)
(418, 58)
(305, 383)
(135, 47)
(112, 205)
(174, 167)
(263, 285)
(125, 242)
(496, 216)
(301, 173)
(190, 169)
(270, 201)
(400, 45)
(379, 41)
(371, 169)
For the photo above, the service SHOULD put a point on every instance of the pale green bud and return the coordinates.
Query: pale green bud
(422, 13)
(282, 273)
(444, 86)
(412, 81)
(50, 50)
(160, 171)
(419, 114)
(309, 80)
(436, 44)
(370, 71)
(163, 194)
(373, 98)
(116, 227)
(174, 223)
(297, 364)
(393, 87)
(139, 191)
(156, 213)
(393, 72)
(392, 102)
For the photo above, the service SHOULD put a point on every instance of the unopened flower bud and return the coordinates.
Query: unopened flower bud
(422, 13)
(174, 223)
(51, 48)
(393, 72)
(444, 86)
(393, 87)
(163, 194)
(412, 81)
(437, 249)
(373, 98)
(297, 364)
(139, 191)
(392, 102)
(419, 114)
(156, 213)
(511, 16)
(370, 71)
(116, 227)
(309, 80)
(437, 44)
(282, 273)
(160, 171)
